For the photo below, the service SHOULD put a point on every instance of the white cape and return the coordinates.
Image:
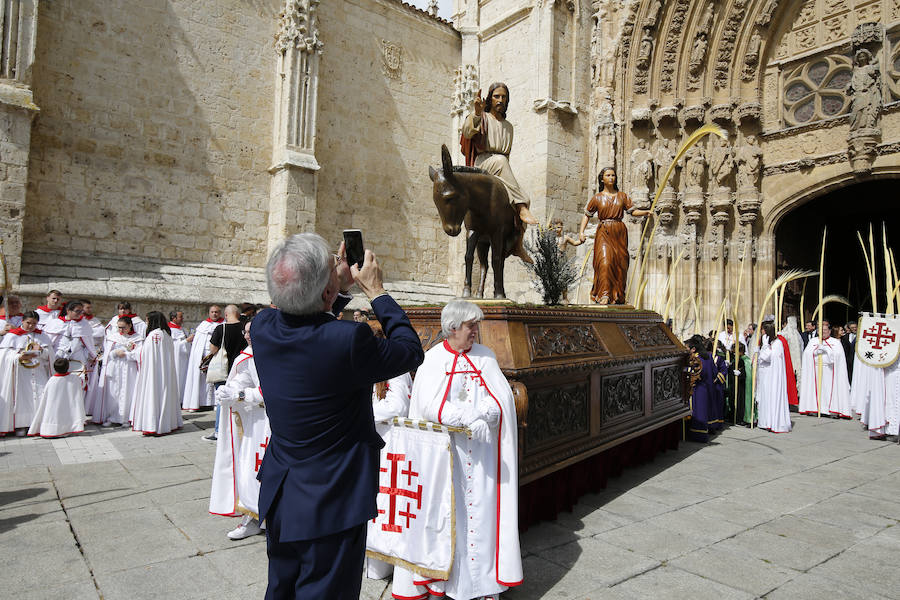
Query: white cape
(771, 387)
(875, 394)
(485, 475)
(197, 392)
(61, 409)
(223, 496)
(182, 355)
(116, 384)
(72, 339)
(834, 387)
(156, 408)
(21, 388)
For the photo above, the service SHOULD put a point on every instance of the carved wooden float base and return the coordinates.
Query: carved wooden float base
(586, 380)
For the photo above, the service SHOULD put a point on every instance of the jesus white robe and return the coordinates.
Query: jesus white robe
(831, 395)
(118, 379)
(21, 388)
(156, 408)
(223, 496)
(486, 559)
(197, 392)
(182, 355)
(771, 387)
(61, 409)
(495, 158)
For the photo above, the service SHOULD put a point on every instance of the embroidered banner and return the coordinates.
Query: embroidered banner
(878, 339)
(415, 523)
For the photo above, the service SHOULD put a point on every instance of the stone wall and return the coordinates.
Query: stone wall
(154, 134)
(380, 125)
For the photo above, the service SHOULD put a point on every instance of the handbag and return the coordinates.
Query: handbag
(217, 369)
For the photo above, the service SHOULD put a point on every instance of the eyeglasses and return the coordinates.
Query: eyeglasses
(337, 259)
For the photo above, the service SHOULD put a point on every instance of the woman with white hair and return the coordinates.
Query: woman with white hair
(461, 384)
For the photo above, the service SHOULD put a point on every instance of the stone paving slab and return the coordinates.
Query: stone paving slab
(812, 514)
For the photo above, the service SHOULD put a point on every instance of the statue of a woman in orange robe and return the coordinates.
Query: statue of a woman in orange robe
(611, 239)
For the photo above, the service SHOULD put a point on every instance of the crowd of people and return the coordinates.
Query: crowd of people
(760, 376)
(61, 366)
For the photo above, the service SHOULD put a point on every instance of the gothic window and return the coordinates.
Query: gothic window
(816, 90)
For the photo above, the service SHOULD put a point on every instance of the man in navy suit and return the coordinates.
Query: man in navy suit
(319, 476)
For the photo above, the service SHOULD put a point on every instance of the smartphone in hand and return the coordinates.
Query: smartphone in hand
(353, 245)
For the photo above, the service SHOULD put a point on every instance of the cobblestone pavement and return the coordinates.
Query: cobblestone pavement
(812, 514)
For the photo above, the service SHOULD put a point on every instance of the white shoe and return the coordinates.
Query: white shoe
(245, 530)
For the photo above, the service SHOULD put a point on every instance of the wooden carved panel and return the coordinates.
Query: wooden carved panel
(547, 341)
(644, 336)
(429, 335)
(622, 395)
(667, 385)
(557, 412)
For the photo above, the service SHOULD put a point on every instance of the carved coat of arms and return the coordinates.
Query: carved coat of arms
(391, 58)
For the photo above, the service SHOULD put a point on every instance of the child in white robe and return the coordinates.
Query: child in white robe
(61, 409)
(119, 375)
(25, 357)
(157, 408)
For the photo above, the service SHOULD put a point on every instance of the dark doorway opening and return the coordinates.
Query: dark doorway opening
(798, 242)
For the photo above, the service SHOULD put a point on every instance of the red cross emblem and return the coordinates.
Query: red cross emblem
(880, 335)
(259, 455)
(396, 493)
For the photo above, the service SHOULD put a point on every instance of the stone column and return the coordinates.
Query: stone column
(292, 195)
(18, 24)
(720, 213)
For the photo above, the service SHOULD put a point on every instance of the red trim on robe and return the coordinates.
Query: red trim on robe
(793, 399)
(173, 325)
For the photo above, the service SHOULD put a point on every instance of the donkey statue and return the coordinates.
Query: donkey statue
(474, 197)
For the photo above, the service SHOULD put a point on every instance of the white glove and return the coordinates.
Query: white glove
(818, 351)
(737, 373)
(480, 432)
(119, 353)
(224, 394)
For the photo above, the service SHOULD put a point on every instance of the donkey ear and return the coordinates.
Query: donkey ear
(431, 172)
(446, 162)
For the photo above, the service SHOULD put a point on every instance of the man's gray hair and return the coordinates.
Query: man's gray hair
(297, 272)
(458, 312)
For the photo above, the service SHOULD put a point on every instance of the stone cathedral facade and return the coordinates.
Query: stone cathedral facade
(156, 150)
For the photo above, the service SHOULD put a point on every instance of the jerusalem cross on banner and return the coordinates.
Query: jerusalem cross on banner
(414, 526)
(878, 339)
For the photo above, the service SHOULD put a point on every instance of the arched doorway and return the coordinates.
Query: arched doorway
(846, 211)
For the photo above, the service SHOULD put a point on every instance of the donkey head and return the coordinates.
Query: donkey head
(450, 196)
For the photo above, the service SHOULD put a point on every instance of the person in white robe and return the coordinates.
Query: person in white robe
(460, 384)
(73, 339)
(875, 394)
(51, 309)
(197, 392)
(123, 309)
(119, 375)
(726, 338)
(791, 333)
(771, 383)
(10, 314)
(238, 396)
(182, 347)
(156, 409)
(61, 408)
(830, 395)
(25, 357)
(92, 393)
(96, 324)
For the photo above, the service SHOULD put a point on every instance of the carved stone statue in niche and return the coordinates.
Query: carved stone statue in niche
(698, 54)
(653, 13)
(751, 58)
(643, 169)
(693, 167)
(665, 153)
(645, 50)
(865, 90)
(706, 21)
(749, 163)
(721, 162)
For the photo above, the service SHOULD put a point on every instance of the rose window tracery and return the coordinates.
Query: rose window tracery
(816, 90)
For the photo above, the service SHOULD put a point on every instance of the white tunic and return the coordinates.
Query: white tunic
(453, 388)
(495, 158)
(45, 315)
(831, 395)
(72, 339)
(875, 393)
(21, 388)
(771, 387)
(61, 409)
(197, 392)
(118, 378)
(223, 496)
(182, 355)
(156, 408)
